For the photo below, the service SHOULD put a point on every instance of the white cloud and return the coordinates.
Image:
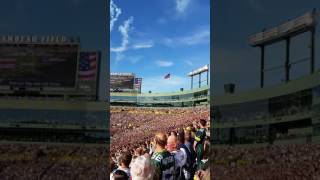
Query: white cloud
(120, 56)
(124, 30)
(190, 63)
(199, 37)
(115, 12)
(182, 5)
(143, 45)
(159, 84)
(162, 63)
(134, 59)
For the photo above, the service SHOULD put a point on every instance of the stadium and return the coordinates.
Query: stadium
(272, 129)
(121, 96)
(52, 122)
(136, 117)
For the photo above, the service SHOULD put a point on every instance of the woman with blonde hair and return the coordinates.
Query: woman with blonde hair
(142, 169)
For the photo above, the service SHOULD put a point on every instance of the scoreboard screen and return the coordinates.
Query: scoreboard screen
(121, 81)
(38, 65)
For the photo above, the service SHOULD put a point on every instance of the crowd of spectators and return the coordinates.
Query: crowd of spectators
(159, 143)
(294, 162)
(133, 127)
(27, 161)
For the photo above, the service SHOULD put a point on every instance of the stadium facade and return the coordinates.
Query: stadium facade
(280, 113)
(187, 98)
(285, 111)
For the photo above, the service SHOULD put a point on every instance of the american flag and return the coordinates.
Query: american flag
(137, 84)
(7, 63)
(137, 81)
(167, 76)
(88, 66)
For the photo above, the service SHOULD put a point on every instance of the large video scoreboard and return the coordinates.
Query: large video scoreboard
(38, 62)
(122, 82)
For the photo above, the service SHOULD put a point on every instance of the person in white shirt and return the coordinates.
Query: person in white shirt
(142, 169)
(180, 156)
(124, 162)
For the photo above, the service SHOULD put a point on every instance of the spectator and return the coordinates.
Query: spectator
(124, 162)
(162, 160)
(180, 156)
(202, 175)
(185, 146)
(142, 169)
(120, 175)
(199, 142)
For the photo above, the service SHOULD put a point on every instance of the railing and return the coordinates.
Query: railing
(297, 24)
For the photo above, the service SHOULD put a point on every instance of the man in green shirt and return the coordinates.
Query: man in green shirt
(199, 142)
(163, 160)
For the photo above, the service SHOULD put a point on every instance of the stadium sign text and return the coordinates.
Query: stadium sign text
(121, 74)
(37, 39)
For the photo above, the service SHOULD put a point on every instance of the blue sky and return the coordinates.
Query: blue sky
(152, 38)
(83, 18)
(234, 61)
